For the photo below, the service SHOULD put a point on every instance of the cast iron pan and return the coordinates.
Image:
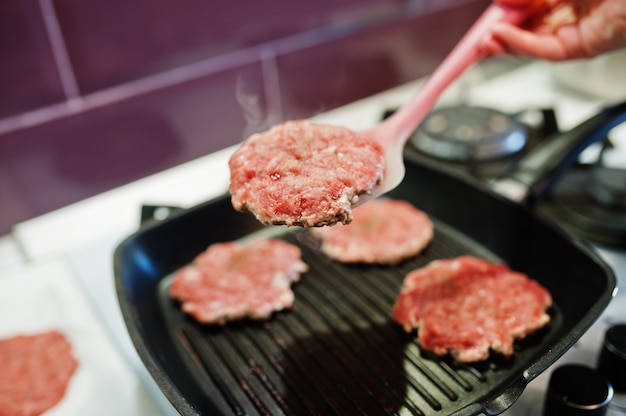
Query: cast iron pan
(337, 352)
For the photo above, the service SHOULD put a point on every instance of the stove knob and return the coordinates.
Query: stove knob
(577, 390)
(612, 359)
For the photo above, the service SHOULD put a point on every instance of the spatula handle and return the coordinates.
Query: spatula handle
(462, 56)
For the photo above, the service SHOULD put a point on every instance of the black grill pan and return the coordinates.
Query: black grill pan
(337, 352)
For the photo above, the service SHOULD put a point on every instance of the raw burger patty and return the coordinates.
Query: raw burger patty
(467, 306)
(298, 173)
(34, 372)
(229, 281)
(383, 231)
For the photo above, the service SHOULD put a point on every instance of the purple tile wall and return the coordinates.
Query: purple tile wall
(160, 83)
(110, 42)
(72, 158)
(28, 74)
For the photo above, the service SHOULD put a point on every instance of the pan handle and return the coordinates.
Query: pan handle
(539, 169)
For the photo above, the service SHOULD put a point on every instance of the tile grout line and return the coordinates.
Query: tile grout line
(76, 103)
(126, 90)
(59, 50)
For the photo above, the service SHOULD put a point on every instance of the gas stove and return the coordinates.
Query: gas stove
(589, 197)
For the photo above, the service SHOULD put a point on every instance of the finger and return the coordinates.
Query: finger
(489, 46)
(523, 42)
(572, 42)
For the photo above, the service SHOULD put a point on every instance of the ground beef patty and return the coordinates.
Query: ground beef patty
(229, 281)
(34, 372)
(466, 306)
(383, 231)
(298, 173)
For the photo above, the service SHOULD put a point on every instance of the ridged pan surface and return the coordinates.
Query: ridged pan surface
(337, 351)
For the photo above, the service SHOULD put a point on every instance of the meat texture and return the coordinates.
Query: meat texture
(35, 372)
(468, 306)
(230, 281)
(383, 231)
(304, 174)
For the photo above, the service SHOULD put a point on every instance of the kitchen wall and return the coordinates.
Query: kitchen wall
(95, 94)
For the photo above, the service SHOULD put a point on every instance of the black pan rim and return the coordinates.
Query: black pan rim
(532, 370)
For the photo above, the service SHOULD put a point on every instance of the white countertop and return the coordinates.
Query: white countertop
(76, 243)
(44, 296)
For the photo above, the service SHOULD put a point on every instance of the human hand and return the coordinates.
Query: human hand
(561, 29)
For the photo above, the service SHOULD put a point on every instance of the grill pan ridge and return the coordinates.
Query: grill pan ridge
(337, 351)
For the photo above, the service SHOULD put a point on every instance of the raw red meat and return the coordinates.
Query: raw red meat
(466, 306)
(299, 173)
(34, 372)
(229, 281)
(383, 231)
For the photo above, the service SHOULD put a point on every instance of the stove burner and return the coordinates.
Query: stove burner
(464, 133)
(533, 125)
